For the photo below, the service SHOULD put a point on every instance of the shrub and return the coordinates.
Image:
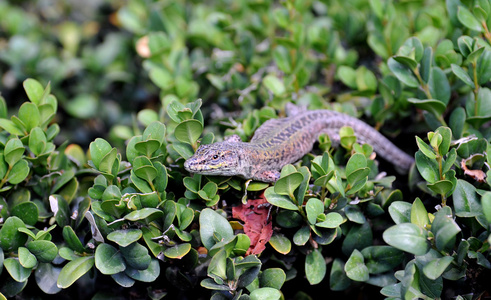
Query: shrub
(133, 218)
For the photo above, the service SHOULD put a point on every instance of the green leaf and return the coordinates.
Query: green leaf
(302, 236)
(402, 73)
(74, 270)
(107, 162)
(136, 256)
(347, 75)
(427, 167)
(19, 172)
(147, 116)
(355, 267)
(356, 162)
(46, 276)
(280, 243)
(425, 64)
(208, 191)
(439, 85)
(486, 205)
(45, 251)
(358, 237)
(468, 19)
(406, 61)
(37, 141)
(436, 107)
(213, 228)
(72, 240)
(265, 293)
(124, 237)
(272, 277)
(10, 237)
(178, 251)
(314, 207)
(26, 211)
(143, 168)
(154, 131)
(13, 152)
(188, 131)
(140, 184)
(365, 79)
(465, 199)
(446, 134)
(338, 279)
(436, 267)
(462, 75)
(419, 215)
(150, 274)
(279, 200)
(484, 67)
(333, 220)
(354, 214)
(282, 59)
(2, 257)
(274, 84)
(457, 121)
(161, 77)
(407, 237)
(441, 187)
(29, 115)
(380, 259)
(11, 127)
(26, 258)
(425, 148)
(445, 229)
(315, 267)
(34, 90)
(83, 106)
(286, 185)
(99, 148)
(108, 260)
(147, 214)
(16, 270)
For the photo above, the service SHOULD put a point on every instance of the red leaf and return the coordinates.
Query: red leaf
(257, 223)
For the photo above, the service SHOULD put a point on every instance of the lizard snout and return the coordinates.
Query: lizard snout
(188, 165)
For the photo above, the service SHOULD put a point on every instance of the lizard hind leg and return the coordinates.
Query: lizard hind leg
(267, 176)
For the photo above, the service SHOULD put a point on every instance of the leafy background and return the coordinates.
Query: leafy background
(103, 101)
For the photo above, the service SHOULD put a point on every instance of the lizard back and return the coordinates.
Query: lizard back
(290, 138)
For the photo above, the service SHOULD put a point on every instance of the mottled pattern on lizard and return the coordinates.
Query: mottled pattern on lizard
(283, 141)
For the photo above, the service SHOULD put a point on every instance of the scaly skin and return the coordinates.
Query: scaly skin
(283, 141)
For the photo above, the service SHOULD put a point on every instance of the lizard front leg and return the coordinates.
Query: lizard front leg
(267, 176)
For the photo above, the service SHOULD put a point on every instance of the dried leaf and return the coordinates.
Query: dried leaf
(478, 175)
(257, 222)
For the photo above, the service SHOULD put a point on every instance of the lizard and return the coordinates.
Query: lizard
(282, 141)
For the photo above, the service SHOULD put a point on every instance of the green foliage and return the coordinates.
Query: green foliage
(127, 211)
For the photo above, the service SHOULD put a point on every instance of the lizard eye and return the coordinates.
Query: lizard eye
(215, 156)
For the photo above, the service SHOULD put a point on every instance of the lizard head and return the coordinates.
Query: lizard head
(214, 159)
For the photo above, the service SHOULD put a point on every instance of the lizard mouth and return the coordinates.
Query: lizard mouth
(194, 166)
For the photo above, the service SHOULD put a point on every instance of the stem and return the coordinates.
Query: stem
(487, 34)
(426, 89)
(476, 87)
(156, 192)
(424, 86)
(4, 179)
(439, 160)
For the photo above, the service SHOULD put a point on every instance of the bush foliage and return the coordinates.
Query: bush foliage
(121, 212)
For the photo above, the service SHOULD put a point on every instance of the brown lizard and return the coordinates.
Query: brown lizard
(283, 141)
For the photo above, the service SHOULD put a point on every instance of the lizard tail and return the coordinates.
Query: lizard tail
(366, 134)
